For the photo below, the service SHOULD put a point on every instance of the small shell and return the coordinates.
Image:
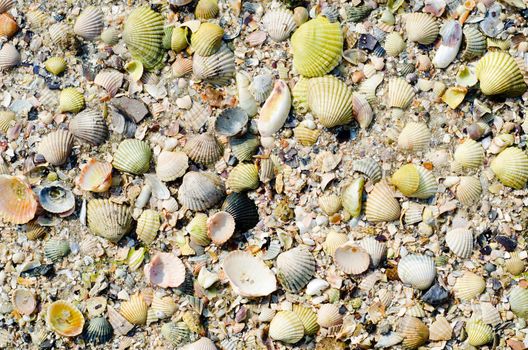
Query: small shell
(460, 241)
(358, 13)
(108, 220)
(135, 258)
(306, 136)
(308, 318)
(361, 110)
(249, 276)
(164, 305)
(440, 329)
(479, 333)
(231, 121)
(261, 87)
(295, 268)
(89, 126)
(9, 56)
(60, 34)
(196, 117)
(6, 120)
(8, 25)
(177, 334)
(351, 259)
(469, 154)
(57, 199)
(64, 318)
(417, 270)
(171, 165)
(71, 100)
(300, 15)
(333, 241)
(120, 324)
(18, 203)
(135, 69)
(95, 176)
(24, 301)
(206, 9)
(466, 77)
(369, 167)
(468, 190)
(330, 100)
(36, 18)
(201, 344)
(394, 44)
(243, 209)
(275, 110)
(352, 197)
(469, 286)
(329, 204)
(111, 80)
(376, 249)
(427, 187)
(450, 45)
(400, 94)
(511, 167)
(406, 179)
(421, 27)
(34, 231)
(368, 87)
(279, 24)
(5, 5)
(148, 225)
(181, 67)
(56, 146)
(246, 101)
(454, 96)
(132, 156)
(90, 23)
(179, 39)
(328, 316)
(514, 265)
(244, 147)
(55, 65)
(218, 69)
(220, 227)
(135, 310)
(500, 74)
(414, 137)
(518, 299)
(200, 191)
(490, 314)
(286, 327)
(381, 204)
(204, 148)
(475, 43)
(414, 332)
(267, 169)
(207, 40)
(300, 96)
(197, 229)
(110, 36)
(98, 331)
(243, 177)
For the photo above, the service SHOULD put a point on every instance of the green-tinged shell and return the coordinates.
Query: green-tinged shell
(218, 69)
(179, 39)
(300, 96)
(200, 190)
(98, 331)
(400, 94)
(243, 177)
(368, 87)
(317, 47)
(243, 209)
(427, 186)
(460, 241)
(197, 229)
(109, 220)
(352, 197)
(90, 23)
(6, 120)
(479, 333)
(71, 100)
(406, 179)
(64, 318)
(286, 327)
(167, 37)
(148, 225)
(330, 100)
(204, 148)
(295, 268)
(330, 203)
(135, 310)
(381, 204)
(132, 156)
(206, 9)
(89, 126)
(468, 190)
(469, 286)
(503, 45)
(500, 74)
(56, 146)
(135, 69)
(55, 65)
(414, 137)
(110, 36)
(414, 332)
(135, 258)
(421, 28)
(466, 76)
(143, 35)
(475, 41)
(518, 299)
(394, 44)
(207, 39)
(511, 167)
(358, 13)
(177, 334)
(308, 318)
(369, 167)
(469, 154)
(244, 147)
(306, 136)
(56, 249)
(417, 270)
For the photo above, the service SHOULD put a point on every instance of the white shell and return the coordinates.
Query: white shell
(460, 241)
(376, 249)
(279, 24)
(275, 110)
(246, 101)
(248, 275)
(351, 259)
(328, 316)
(469, 286)
(417, 270)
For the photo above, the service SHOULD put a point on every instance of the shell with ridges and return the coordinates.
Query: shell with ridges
(110, 36)
(6, 120)
(286, 327)
(71, 100)
(56, 249)
(148, 225)
(469, 286)
(376, 249)
(99, 330)
(351, 259)
(328, 316)
(18, 203)
(64, 318)
(460, 241)
(243, 177)
(244, 147)
(179, 39)
(164, 305)
(330, 203)
(89, 126)
(427, 186)
(165, 270)
(476, 44)
(132, 156)
(499, 74)
(108, 220)
(490, 314)
(135, 310)
(5, 5)
(414, 137)
(330, 100)
(421, 27)
(243, 209)
(300, 95)
(110, 79)
(440, 329)
(182, 66)
(207, 40)
(334, 240)
(295, 268)
(171, 165)
(204, 148)
(261, 87)
(90, 23)
(279, 24)
(34, 230)
(120, 324)
(381, 204)
(200, 191)
(394, 44)
(56, 146)
(197, 229)
(400, 93)
(306, 136)
(218, 69)
(414, 332)
(60, 34)
(206, 9)
(55, 65)
(479, 333)
(308, 318)
(406, 179)
(468, 190)
(369, 167)
(249, 276)
(518, 299)
(95, 176)
(176, 333)
(511, 167)
(469, 154)
(417, 270)
(361, 110)
(201, 344)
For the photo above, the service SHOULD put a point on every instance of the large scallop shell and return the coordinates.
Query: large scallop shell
(469, 154)
(518, 299)
(24, 301)
(206, 9)
(469, 286)
(330, 100)
(329, 316)
(218, 69)
(135, 310)
(295, 268)
(18, 203)
(479, 333)
(394, 44)
(171, 165)
(351, 259)
(476, 45)
(243, 209)
(99, 330)
(275, 110)
(317, 47)
(200, 191)
(440, 329)
(110, 79)
(511, 167)
(279, 24)
(460, 241)
(64, 318)
(207, 39)
(417, 270)
(89, 126)
(90, 23)
(109, 220)
(414, 137)
(165, 270)
(95, 176)
(56, 146)
(468, 190)
(220, 227)
(414, 332)
(243, 177)
(9, 56)
(381, 204)
(248, 275)
(421, 27)
(500, 74)
(286, 327)
(132, 156)
(376, 249)
(204, 148)
(148, 225)
(400, 93)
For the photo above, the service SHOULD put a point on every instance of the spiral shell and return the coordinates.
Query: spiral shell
(204, 148)
(132, 156)
(171, 165)
(381, 204)
(417, 270)
(421, 27)
(18, 203)
(478, 333)
(64, 318)
(109, 220)
(243, 177)
(218, 68)
(111, 80)
(200, 191)
(71, 100)
(279, 24)
(90, 23)
(249, 276)
(469, 286)
(330, 100)
(500, 74)
(295, 268)
(286, 327)
(511, 167)
(56, 146)
(9, 56)
(135, 310)
(89, 126)
(460, 241)
(148, 225)
(206, 9)
(414, 332)
(414, 137)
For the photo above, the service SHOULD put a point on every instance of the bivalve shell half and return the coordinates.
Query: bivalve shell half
(248, 275)
(8, 25)
(109, 220)
(179, 39)
(201, 344)
(207, 40)
(275, 110)
(243, 177)
(329, 316)
(243, 209)
(306, 136)
(90, 23)
(300, 96)
(7, 119)
(206, 9)
(110, 79)
(308, 318)
(24, 301)
(201, 191)
(56, 146)
(135, 310)
(415, 137)
(89, 126)
(333, 241)
(182, 66)
(286, 327)
(60, 34)
(18, 203)
(231, 121)
(165, 270)
(469, 286)
(368, 87)
(64, 318)
(406, 179)
(244, 147)
(440, 329)
(330, 100)
(500, 74)
(55, 198)
(95, 176)
(177, 334)
(427, 187)
(361, 110)
(518, 299)
(394, 44)
(414, 332)
(381, 204)
(421, 28)
(132, 156)
(468, 190)
(71, 100)
(220, 227)
(479, 333)
(148, 225)
(218, 69)
(476, 45)
(110, 36)
(295, 268)
(6, 5)
(351, 259)
(171, 165)
(197, 229)
(511, 167)
(34, 230)
(279, 24)
(460, 241)
(261, 87)
(204, 148)
(9, 56)
(369, 167)
(330, 203)
(469, 154)
(490, 315)
(98, 331)
(55, 65)
(376, 249)
(400, 93)
(417, 270)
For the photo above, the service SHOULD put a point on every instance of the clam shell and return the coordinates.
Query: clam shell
(469, 286)
(414, 332)
(306, 136)
(56, 199)
(5, 5)
(479, 333)
(179, 39)
(36, 18)
(330, 100)
(454, 96)
(460, 241)
(279, 24)
(476, 45)
(286, 327)
(400, 94)
(220, 227)
(328, 316)
(95, 176)
(34, 231)
(244, 147)
(201, 191)
(6, 120)
(308, 318)
(196, 117)
(249, 276)
(361, 110)
(143, 35)
(135, 69)
(204, 148)
(330, 204)
(71, 100)
(89, 126)
(417, 270)
(394, 44)
(110, 36)
(333, 241)
(518, 299)
(490, 314)
(60, 34)
(182, 66)
(421, 28)
(24, 301)
(120, 324)
(511, 167)
(246, 101)
(406, 179)
(98, 331)
(164, 305)
(514, 265)
(111, 80)
(18, 203)
(468, 190)
(414, 137)
(197, 229)
(56, 146)
(171, 165)
(243, 177)
(135, 310)
(55, 65)
(148, 225)
(176, 333)
(369, 167)
(231, 121)
(414, 213)
(368, 87)
(440, 329)
(275, 110)
(381, 204)
(165, 270)
(64, 318)
(317, 46)
(206, 9)
(376, 249)
(416, 311)
(132, 156)
(499, 74)
(295, 268)
(108, 220)
(201, 344)
(90, 23)
(218, 69)
(207, 40)
(427, 186)
(351, 259)
(469, 154)
(352, 197)
(243, 209)
(300, 96)
(261, 87)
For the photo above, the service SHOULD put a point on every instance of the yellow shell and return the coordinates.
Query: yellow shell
(306, 136)
(381, 204)
(179, 39)
(400, 93)
(330, 100)
(440, 329)
(469, 286)
(468, 190)
(56, 146)
(64, 318)
(469, 154)
(132, 156)
(90, 23)
(500, 74)
(207, 40)
(204, 148)
(454, 96)
(243, 177)
(135, 310)
(148, 225)
(6, 119)
(286, 327)
(333, 241)
(300, 96)
(406, 179)
(478, 333)
(394, 44)
(421, 27)
(71, 100)
(317, 47)
(109, 220)
(55, 65)
(206, 9)
(197, 229)
(511, 167)
(308, 318)
(514, 265)
(135, 69)
(414, 137)
(518, 299)
(18, 203)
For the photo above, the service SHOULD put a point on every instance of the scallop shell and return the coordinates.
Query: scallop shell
(330, 100)
(24, 301)
(71, 100)
(414, 213)
(6, 120)
(98, 331)
(500, 74)
(511, 167)
(56, 146)
(34, 230)
(5, 5)
(201, 191)
(279, 24)
(176, 333)
(110, 36)
(421, 28)
(108, 220)
(56, 199)
(328, 316)
(143, 35)
(295, 268)
(261, 87)
(361, 110)
(36, 18)
(246, 101)
(201, 344)
(300, 96)
(220, 227)
(400, 94)
(181, 67)
(55, 65)
(306, 136)
(352, 196)
(460, 241)
(165, 270)
(120, 324)
(90, 23)
(308, 318)
(368, 87)
(317, 46)
(60, 34)
(243, 209)
(89, 126)
(330, 204)
(376, 249)
(414, 137)
(476, 45)
(469, 154)
(369, 167)
(171, 165)
(414, 332)
(197, 229)
(64, 318)
(427, 186)
(148, 225)
(490, 314)
(207, 40)
(440, 329)
(518, 299)
(514, 265)
(286, 327)
(469, 286)
(111, 80)
(406, 179)
(204, 148)
(135, 310)
(479, 333)
(179, 39)
(243, 177)
(244, 147)
(275, 110)
(249, 276)
(95, 176)
(394, 44)
(18, 203)
(468, 190)
(132, 156)
(381, 204)
(8, 25)
(351, 259)
(206, 9)
(417, 270)
(231, 121)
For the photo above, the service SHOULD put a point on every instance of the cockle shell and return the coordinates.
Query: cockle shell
(6, 120)
(206, 9)
(376, 249)
(244, 147)
(135, 258)
(110, 36)
(417, 270)
(64, 318)
(300, 96)
(328, 316)
(60, 34)
(5, 5)
(440, 329)
(95, 176)
(295, 268)
(261, 87)
(18, 203)
(286, 327)
(218, 69)
(204, 148)
(330, 100)
(132, 156)
(361, 110)
(511, 167)
(220, 227)
(148, 225)
(55, 65)
(135, 310)
(55, 249)
(454, 96)
(330, 203)
(109, 220)
(475, 41)
(308, 318)
(243, 177)
(490, 314)
(394, 44)
(279, 24)
(400, 93)
(90, 23)
(201, 344)
(71, 100)
(56, 146)
(421, 28)
(518, 299)
(111, 80)
(98, 331)
(369, 167)
(34, 230)
(381, 204)
(179, 39)
(164, 306)
(414, 332)
(8, 25)
(89, 126)
(197, 229)
(469, 286)
(246, 101)
(177, 334)
(469, 154)
(243, 209)
(351, 259)
(182, 66)
(468, 190)
(9, 56)
(165, 270)
(427, 186)
(200, 191)
(414, 137)
(171, 165)
(333, 241)
(478, 333)
(451, 33)
(306, 136)
(514, 265)
(406, 179)
(248, 275)
(460, 241)
(275, 110)
(352, 196)
(500, 74)
(207, 40)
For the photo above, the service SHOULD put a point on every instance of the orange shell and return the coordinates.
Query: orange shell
(8, 25)
(18, 203)
(95, 176)
(64, 318)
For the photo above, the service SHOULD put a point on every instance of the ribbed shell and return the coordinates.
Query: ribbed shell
(135, 310)
(71, 100)
(132, 156)
(89, 126)
(197, 229)
(200, 191)
(417, 270)
(469, 154)
(5, 5)
(171, 165)
(36, 18)
(414, 332)
(300, 95)
(362, 111)
(406, 179)
(55, 65)
(267, 169)
(414, 213)
(148, 225)
(317, 46)
(308, 318)
(499, 74)
(478, 333)
(490, 314)
(98, 331)
(351, 259)
(206, 9)
(440, 329)
(333, 241)
(218, 69)
(468, 190)
(176, 333)
(279, 24)
(196, 117)
(9, 56)
(306, 136)
(328, 316)
(56, 146)
(400, 93)
(248, 275)
(201, 344)
(511, 167)
(421, 27)
(18, 202)
(381, 204)
(56, 249)
(95, 176)
(64, 318)
(204, 148)
(60, 34)
(286, 327)
(207, 40)
(243, 209)
(518, 299)
(376, 249)
(330, 100)
(414, 137)
(110, 36)
(369, 167)
(460, 241)
(330, 203)
(119, 323)
(6, 120)
(295, 268)
(111, 80)
(34, 230)
(427, 186)
(90, 23)
(469, 286)
(244, 147)
(394, 44)
(243, 177)
(475, 41)
(182, 66)
(108, 220)
(261, 87)
(164, 305)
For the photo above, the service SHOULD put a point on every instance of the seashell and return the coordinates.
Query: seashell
(5, 5)
(400, 94)
(165, 270)
(111, 80)
(381, 204)
(36, 18)
(368, 87)
(376, 249)
(244, 147)
(352, 197)
(56, 146)
(201, 191)
(148, 225)
(55, 65)
(333, 241)
(109, 220)
(358, 13)
(89, 126)
(231, 121)
(206, 9)
(460, 241)
(416, 310)
(417, 270)
(273, 250)
(414, 332)
(414, 137)
(451, 33)
(490, 314)
(201, 344)
(518, 299)
(476, 45)
(300, 15)
(34, 230)
(71, 100)
(330, 100)
(243, 177)
(204, 148)
(180, 2)
(132, 156)
(454, 96)
(351, 259)
(164, 305)
(514, 265)
(427, 186)
(56, 199)
(317, 46)
(479, 333)
(261, 87)
(469, 154)
(6, 120)
(300, 96)
(500, 74)
(218, 69)
(369, 167)
(421, 28)
(330, 204)
(440, 329)
(134, 310)
(90, 23)
(511, 167)
(207, 40)
(135, 69)
(308, 318)
(110, 36)
(171, 165)
(306, 136)
(361, 110)
(500, 143)
(181, 67)
(275, 110)
(394, 44)
(120, 325)
(414, 213)
(406, 179)
(469, 286)
(8, 25)
(243, 209)
(248, 276)
(267, 169)
(60, 34)
(98, 331)
(197, 229)
(246, 101)
(24, 301)
(135, 258)
(466, 77)
(18, 203)
(295, 268)
(176, 38)
(95, 176)
(143, 35)
(176, 333)
(279, 24)
(196, 117)
(286, 327)
(220, 227)
(64, 318)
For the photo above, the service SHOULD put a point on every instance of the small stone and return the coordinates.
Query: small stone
(489, 267)
(436, 295)
(184, 102)
(133, 109)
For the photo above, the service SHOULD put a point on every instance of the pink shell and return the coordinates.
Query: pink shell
(165, 270)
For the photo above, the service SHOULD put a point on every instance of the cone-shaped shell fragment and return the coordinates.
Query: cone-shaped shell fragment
(90, 23)
(275, 110)
(18, 203)
(414, 137)
(132, 156)
(417, 270)
(460, 241)
(317, 47)
(248, 275)
(330, 100)
(56, 146)
(64, 318)
(381, 204)
(296, 267)
(500, 74)
(511, 167)
(71, 100)
(89, 126)
(421, 27)
(200, 191)
(286, 327)
(109, 220)
(218, 68)
(279, 24)
(414, 332)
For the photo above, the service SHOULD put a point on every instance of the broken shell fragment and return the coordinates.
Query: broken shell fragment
(451, 33)
(352, 197)
(24, 301)
(248, 275)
